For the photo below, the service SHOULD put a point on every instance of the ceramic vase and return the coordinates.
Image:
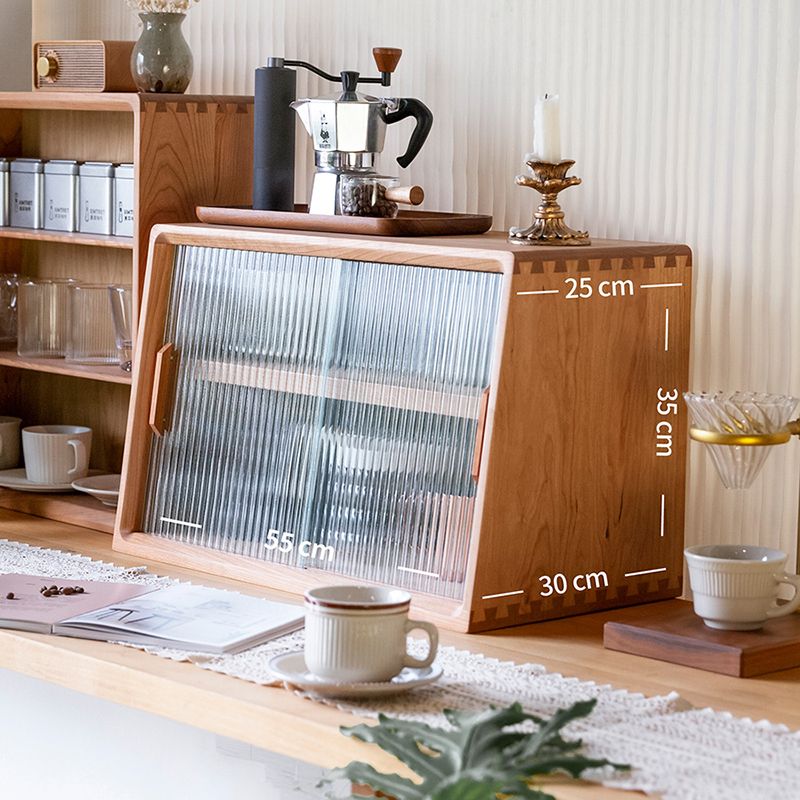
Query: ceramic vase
(161, 60)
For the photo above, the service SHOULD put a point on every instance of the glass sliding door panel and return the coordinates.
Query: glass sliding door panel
(325, 413)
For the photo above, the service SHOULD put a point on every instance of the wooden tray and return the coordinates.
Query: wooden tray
(407, 223)
(671, 631)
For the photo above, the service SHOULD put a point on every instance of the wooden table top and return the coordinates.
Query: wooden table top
(276, 720)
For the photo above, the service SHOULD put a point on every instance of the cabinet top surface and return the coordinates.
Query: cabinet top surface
(493, 246)
(108, 101)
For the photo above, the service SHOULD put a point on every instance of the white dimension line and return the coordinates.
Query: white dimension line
(542, 291)
(645, 572)
(502, 594)
(662, 515)
(181, 522)
(419, 572)
(666, 330)
(659, 285)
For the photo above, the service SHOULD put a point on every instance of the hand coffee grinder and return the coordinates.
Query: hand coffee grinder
(348, 128)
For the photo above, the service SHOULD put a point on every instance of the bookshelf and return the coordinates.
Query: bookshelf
(187, 150)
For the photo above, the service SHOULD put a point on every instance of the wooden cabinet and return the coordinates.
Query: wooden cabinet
(187, 150)
(499, 430)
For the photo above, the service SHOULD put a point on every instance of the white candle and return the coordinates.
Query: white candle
(547, 129)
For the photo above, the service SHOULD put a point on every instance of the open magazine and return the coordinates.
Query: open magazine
(182, 616)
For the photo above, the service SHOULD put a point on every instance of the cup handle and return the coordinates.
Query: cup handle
(433, 643)
(794, 603)
(81, 458)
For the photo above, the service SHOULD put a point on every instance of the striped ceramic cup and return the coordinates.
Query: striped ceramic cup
(357, 634)
(735, 586)
(56, 455)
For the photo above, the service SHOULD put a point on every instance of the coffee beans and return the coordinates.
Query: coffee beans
(10, 596)
(366, 200)
(53, 591)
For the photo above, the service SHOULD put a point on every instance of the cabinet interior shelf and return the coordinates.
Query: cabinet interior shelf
(335, 387)
(70, 101)
(58, 366)
(87, 239)
(74, 509)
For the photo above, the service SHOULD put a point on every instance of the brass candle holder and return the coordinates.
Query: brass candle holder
(548, 227)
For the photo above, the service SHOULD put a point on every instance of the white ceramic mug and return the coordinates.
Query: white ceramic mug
(9, 442)
(357, 634)
(56, 454)
(735, 587)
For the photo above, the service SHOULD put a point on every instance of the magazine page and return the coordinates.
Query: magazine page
(192, 614)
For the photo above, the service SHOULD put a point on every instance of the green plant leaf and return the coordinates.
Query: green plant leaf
(468, 789)
(392, 784)
(486, 754)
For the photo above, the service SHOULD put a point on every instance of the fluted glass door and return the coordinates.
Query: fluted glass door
(325, 413)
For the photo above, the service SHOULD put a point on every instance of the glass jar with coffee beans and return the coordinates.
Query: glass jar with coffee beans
(365, 196)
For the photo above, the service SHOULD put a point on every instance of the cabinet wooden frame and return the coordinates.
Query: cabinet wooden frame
(591, 354)
(181, 147)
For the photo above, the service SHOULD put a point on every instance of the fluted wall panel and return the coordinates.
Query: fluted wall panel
(682, 117)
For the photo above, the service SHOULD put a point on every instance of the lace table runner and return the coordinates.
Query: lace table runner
(678, 751)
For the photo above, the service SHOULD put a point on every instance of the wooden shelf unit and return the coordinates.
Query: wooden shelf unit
(86, 239)
(182, 148)
(336, 386)
(75, 509)
(58, 366)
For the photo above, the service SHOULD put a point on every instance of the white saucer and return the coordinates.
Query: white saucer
(291, 668)
(104, 488)
(17, 479)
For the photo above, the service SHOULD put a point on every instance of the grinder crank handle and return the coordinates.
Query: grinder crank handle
(409, 107)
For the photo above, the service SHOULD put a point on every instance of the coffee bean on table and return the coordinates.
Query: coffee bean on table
(10, 596)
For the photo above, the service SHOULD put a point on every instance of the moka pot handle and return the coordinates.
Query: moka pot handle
(409, 107)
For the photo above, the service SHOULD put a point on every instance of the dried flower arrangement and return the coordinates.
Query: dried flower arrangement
(161, 6)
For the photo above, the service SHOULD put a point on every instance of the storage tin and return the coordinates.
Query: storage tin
(123, 200)
(96, 197)
(61, 195)
(25, 193)
(4, 165)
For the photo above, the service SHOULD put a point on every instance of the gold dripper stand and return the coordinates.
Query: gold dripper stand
(548, 227)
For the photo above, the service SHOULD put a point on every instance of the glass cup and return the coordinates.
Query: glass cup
(42, 317)
(8, 309)
(91, 329)
(120, 297)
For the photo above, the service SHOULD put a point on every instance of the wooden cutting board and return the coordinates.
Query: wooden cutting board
(670, 631)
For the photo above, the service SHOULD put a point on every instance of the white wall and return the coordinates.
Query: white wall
(682, 116)
(15, 45)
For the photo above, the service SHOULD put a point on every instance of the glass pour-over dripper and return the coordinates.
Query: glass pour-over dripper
(739, 413)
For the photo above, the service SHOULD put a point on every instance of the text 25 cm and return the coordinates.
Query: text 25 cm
(583, 288)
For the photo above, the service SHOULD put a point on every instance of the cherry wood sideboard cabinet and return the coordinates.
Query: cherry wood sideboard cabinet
(186, 149)
(497, 429)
